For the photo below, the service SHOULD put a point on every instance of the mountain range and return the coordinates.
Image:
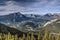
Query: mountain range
(27, 21)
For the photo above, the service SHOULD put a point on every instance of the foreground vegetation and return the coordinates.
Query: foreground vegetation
(31, 36)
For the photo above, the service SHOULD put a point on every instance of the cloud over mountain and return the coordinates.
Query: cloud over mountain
(29, 6)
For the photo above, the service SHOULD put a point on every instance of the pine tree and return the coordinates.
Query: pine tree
(0, 36)
(12, 37)
(50, 36)
(39, 36)
(23, 37)
(46, 35)
(58, 37)
(19, 38)
(28, 36)
(9, 36)
(16, 37)
(32, 36)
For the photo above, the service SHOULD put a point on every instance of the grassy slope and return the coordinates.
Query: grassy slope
(5, 29)
(53, 27)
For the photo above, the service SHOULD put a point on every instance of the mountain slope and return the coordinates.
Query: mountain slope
(53, 26)
(5, 29)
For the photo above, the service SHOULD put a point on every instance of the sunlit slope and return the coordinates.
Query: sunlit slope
(53, 26)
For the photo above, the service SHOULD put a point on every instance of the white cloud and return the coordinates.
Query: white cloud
(41, 6)
(10, 8)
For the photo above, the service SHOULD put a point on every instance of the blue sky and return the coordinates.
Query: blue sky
(29, 6)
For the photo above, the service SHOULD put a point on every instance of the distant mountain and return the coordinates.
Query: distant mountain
(33, 15)
(14, 17)
(50, 16)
